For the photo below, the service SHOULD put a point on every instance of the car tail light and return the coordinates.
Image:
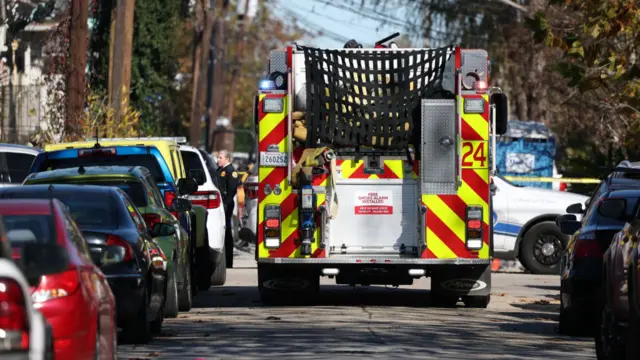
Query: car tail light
(169, 196)
(14, 321)
(158, 259)
(208, 199)
(474, 228)
(152, 219)
(56, 286)
(119, 250)
(97, 152)
(586, 246)
(251, 190)
(272, 229)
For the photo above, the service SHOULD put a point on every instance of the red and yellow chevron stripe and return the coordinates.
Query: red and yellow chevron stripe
(272, 129)
(445, 217)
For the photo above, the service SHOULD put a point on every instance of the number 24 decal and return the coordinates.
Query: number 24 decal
(476, 150)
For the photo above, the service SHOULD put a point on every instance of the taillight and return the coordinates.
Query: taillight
(152, 219)
(56, 286)
(272, 234)
(158, 259)
(474, 227)
(587, 247)
(208, 199)
(119, 251)
(251, 190)
(168, 200)
(14, 323)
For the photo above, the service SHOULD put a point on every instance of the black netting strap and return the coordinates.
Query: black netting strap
(368, 97)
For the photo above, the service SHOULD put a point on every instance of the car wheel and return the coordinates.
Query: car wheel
(138, 331)
(568, 323)
(185, 296)
(541, 248)
(219, 276)
(171, 304)
(204, 262)
(609, 341)
(478, 302)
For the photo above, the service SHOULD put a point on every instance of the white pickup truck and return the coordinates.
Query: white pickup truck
(524, 224)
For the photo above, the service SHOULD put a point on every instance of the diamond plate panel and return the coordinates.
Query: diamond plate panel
(278, 61)
(438, 163)
(476, 61)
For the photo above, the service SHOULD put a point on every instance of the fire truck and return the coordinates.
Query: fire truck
(374, 168)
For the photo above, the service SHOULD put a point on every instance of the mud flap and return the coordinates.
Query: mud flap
(284, 286)
(461, 281)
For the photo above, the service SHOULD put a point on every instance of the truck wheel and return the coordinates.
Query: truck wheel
(478, 302)
(219, 276)
(439, 299)
(287, 286)
(541, 248)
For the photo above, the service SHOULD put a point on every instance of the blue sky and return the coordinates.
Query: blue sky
(315, 14)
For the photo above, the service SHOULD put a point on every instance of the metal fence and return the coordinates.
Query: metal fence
(29, 104)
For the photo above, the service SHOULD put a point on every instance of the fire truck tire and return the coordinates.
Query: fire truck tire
(541, 248)
(279, 287)
(442, 300)
(478, 302)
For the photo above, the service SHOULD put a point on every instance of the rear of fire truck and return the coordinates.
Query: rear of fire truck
(374, 169)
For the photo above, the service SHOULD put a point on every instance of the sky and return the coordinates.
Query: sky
(337, 22)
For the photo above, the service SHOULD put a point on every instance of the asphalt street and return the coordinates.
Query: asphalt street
(374, 322)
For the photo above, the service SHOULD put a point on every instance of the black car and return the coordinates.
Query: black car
(120, 244)
(582, 262)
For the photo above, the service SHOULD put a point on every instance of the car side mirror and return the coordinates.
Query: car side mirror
(570, 227)
(501, 110)
(575, 209)
(198, 176)
(162, 229)
(180, 205)
(564, 218)
(613, 208)
(187, 186)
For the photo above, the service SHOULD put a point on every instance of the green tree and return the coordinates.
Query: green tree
(157, 28)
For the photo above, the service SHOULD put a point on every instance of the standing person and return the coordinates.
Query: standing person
(228, 187)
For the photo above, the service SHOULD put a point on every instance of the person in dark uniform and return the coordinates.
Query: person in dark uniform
(228, 188)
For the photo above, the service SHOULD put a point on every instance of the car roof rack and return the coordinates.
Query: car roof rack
(624, 167)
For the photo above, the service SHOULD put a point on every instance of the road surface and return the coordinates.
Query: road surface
(374, 322)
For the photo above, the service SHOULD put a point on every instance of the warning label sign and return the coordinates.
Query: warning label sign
(373, 203)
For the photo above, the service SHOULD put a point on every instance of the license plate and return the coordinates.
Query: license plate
(276, 159)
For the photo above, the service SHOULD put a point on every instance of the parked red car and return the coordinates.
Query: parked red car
(72, 294)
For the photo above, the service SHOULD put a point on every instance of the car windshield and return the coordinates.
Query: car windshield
(26, 231)
(146, 160)
(133, 188)
(191, 161)
(97, 210)
(23, 229)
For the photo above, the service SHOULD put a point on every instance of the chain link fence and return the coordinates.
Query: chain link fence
(29, 107)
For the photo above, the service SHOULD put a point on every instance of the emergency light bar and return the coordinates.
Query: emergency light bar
(181, 140)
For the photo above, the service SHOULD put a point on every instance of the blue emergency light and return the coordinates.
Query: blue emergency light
(267, 85)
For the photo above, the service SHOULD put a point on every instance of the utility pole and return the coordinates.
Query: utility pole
(244, 22)
(78, 43)
(217, 83)
(120, 61)
(203, 28)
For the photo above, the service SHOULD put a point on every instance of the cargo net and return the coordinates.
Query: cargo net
(369, 98)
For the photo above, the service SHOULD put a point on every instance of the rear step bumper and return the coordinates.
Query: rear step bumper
(378, 260)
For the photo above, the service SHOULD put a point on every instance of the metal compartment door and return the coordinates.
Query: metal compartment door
(438, 163)
(375, 217)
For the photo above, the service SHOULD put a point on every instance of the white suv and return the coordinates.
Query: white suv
(208, 195)
(524, 224)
